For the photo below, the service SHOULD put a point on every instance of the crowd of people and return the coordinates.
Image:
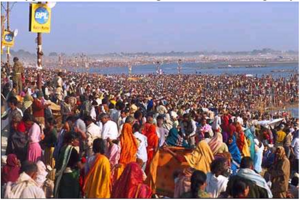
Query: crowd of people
(78, 135)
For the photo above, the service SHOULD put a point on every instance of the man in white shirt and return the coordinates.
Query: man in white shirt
(92, 132)
(142, 145)
(26, 186)
(216, 182)
(110, 129)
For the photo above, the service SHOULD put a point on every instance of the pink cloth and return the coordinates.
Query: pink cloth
(205, 128)
(113, 155)
(34, 133)
(183, 182)
(34, 149)
(215, 143)
(34, 152)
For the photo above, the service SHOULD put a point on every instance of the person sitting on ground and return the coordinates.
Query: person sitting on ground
(10, 171)
(198, 185)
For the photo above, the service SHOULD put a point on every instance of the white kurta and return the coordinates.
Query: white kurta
(110, 130)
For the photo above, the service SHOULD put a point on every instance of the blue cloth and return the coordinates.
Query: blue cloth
(258, 159)
(250, 137)
(174, 139)
(234, 151)
(150, 105)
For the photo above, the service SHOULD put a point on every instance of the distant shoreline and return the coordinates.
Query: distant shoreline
(262, 63)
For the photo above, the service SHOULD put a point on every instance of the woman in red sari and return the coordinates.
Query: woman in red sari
(130, 184)
(152, 139)
(240, 137)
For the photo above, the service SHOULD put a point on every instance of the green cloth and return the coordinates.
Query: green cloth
(201, 194)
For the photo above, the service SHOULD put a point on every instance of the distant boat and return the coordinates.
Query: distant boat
(249, 75)
(229, 66)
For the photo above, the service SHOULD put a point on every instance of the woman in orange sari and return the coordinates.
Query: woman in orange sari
(97, 182)
(241, 141)
(128, 150)
(130, 185)
(152, 139)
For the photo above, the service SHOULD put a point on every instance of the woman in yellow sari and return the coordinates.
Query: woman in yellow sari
(128, 149)
(97, 181)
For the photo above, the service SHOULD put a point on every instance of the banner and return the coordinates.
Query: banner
(39, 18)
(8, 39)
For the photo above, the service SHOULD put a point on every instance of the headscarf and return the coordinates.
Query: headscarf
(41, 174)
(128, 145)
(234, 151)
(201, 157)
(10, 172)
(174, 139)
(130, 184)
(281, 153)
(152, 140)
(215, 143)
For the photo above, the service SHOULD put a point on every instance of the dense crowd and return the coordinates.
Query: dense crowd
(75, 135)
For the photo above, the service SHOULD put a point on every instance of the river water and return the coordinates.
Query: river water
(203, 68)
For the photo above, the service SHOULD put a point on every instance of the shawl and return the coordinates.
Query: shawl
(216, 143)
(234, 151)
(128, 149)
(249, 174)
(14, 191)
(201, 157)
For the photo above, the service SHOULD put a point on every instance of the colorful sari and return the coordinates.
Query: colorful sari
(152, 140)
(128, 149)
(97, 182)
(201, 157)
(130, 185)
(67, 179)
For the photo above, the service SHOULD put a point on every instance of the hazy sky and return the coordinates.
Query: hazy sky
(158, 27)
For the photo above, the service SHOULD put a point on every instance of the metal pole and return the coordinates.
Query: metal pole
(7, 16)
(39, 59)
(2, 31)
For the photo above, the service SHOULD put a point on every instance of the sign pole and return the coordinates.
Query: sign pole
(7, 18)
(39, 59)
(2, 33)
